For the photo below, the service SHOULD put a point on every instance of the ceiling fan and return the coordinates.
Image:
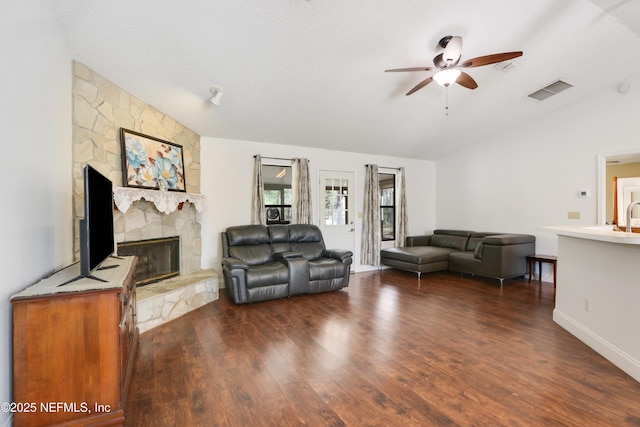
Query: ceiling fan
(448, 65)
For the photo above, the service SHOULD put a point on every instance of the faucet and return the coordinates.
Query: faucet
(629, 211)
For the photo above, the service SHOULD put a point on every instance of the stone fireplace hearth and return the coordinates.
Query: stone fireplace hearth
(169, 299)
(178, 230)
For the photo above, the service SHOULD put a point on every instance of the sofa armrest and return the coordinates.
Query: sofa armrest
(234, 272)
(508, 239)
(418, 240)
(339, 254)
(234, 263)
(505, 255)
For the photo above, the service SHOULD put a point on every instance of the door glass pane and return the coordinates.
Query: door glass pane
(336, 202)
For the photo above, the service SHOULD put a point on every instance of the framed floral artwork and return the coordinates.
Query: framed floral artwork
(152, 163)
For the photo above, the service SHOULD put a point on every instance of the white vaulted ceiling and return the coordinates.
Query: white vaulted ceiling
(311, 73)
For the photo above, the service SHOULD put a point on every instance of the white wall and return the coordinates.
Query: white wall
(227, 171)
(530, 176)
(35, 124)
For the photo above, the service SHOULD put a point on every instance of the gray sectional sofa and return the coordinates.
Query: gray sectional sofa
(277, 261)
(488, 254)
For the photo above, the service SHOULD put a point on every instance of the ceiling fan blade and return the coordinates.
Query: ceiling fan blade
(489, 59)
(420, 85)
(466, 80)
(409, 69)
(453, 50)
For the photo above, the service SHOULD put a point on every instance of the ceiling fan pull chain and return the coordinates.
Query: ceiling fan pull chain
(446, 108)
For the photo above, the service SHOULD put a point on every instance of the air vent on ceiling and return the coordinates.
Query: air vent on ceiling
(506, 66)
(549, 90)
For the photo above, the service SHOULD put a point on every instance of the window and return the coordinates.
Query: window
(388, 205)
(277, 193)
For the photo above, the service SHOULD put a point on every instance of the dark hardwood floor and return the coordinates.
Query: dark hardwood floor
(386, 351)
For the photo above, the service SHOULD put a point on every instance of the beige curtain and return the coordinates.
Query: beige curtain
(402, 211)
(258, 214)
(301, 212)
(371, 233)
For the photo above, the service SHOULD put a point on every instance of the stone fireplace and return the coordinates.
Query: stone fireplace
(158, 259)
(142, 221)
(100, 110)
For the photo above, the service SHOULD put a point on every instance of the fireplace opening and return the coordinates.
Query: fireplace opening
(158, 259)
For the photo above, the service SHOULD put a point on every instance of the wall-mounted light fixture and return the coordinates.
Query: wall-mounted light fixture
(216, 96)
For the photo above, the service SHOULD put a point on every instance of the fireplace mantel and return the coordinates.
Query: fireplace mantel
(165, 201)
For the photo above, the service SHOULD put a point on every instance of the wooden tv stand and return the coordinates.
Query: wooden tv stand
(74, 346)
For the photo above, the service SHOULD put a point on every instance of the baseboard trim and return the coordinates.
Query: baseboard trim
(610, 352)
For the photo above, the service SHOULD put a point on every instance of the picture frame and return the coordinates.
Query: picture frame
(151, 163)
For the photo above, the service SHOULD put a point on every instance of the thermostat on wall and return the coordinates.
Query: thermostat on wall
(584, 193)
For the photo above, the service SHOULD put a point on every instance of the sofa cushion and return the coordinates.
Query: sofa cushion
(267, 274)
(418, 254)
(307, 240)
(252, 254)
(309, 250)
(462, 233)
(278, 233)
(249, 243)
(476, 238)
(279, 238)
(248, 235)
(304, 233)
(451, 241)
(465, 261)
(325, 268)
(477, 253)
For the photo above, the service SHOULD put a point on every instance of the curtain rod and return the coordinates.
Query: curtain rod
(385, 167)
(275, 158)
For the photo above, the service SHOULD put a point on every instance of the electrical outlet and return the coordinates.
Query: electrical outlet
(573, 215)
(587, 305)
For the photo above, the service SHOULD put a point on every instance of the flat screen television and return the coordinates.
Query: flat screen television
(96, 229)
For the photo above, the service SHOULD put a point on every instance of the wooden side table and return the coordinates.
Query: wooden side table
(540, 259)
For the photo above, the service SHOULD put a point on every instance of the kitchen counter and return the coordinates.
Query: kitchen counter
(598, 291)
(603, 233)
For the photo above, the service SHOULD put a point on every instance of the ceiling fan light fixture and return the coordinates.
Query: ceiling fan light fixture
(446, 77)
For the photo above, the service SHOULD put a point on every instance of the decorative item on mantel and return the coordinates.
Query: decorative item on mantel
(165, 201)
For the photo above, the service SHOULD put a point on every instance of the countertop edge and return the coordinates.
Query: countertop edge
(602, 233)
